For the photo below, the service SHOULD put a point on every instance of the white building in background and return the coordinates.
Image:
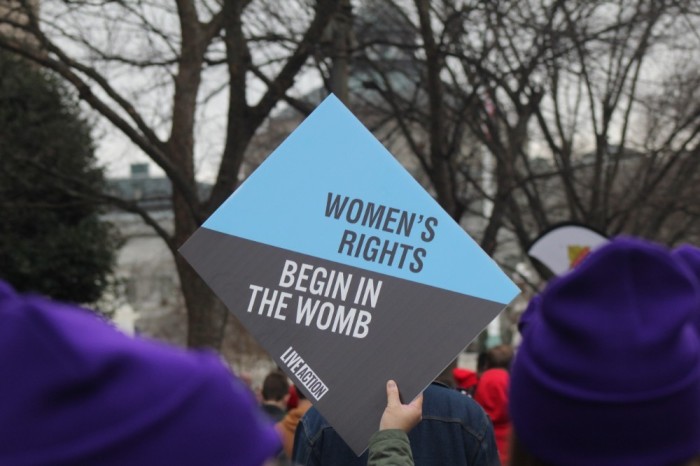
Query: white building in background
(150, 300)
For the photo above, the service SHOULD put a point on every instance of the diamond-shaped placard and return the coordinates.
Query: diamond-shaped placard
(347, 271)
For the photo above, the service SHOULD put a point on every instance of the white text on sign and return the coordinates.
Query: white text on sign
(317, 291)
(303, 373)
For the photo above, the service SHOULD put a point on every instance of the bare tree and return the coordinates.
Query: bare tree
(435, 80)
(548, 111)
(518, 113)
(151, 68)
(616, 168)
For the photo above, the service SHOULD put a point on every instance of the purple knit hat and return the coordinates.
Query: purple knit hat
(690, 256)
(609, 372)
(529, 313)
(76, 391)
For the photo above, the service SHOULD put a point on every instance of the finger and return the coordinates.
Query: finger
(417, 402)
(392, 394)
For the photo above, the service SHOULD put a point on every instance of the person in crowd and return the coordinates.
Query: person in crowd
(481, 363)
(498, 357)
(454, 431)
(79, 391)
(465, 380)
(690, 256)
(76, 390)
(293, 400)
(288, 425)
(492, 395)
(528, 314)
(275, 394)
(608, 372)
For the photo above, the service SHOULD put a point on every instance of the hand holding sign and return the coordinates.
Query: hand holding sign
(398, 415)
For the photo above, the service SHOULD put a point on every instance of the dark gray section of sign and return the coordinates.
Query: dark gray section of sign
(415, 330)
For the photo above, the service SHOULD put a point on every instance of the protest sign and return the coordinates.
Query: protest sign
(347, 271)
(563, 246)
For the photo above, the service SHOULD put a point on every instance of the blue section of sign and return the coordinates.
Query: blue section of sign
(331, 190)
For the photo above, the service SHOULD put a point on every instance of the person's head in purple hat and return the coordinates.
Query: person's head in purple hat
(529, 313)
(690, 256)
(74, 390)
(609, 373)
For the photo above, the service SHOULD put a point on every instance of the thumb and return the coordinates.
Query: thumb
(392, 394)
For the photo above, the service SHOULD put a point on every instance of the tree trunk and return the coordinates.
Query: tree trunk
(441, 171)
(206, 316)
(342, 26)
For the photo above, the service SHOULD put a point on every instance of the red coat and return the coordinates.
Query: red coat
(492, 395)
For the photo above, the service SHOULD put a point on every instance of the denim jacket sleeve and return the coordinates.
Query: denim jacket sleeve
(302, 452)
(317, 444)
(486, 453)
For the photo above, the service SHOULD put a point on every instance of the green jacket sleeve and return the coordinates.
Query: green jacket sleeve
(389, 447)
